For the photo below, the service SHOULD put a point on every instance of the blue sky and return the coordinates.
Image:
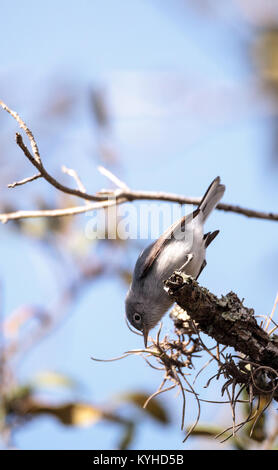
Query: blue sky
(182, 114)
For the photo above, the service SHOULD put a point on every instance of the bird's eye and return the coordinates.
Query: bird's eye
(137, 317)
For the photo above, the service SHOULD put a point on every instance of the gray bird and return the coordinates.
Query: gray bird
(181, 247)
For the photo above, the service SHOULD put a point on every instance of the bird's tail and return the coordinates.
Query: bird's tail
(211, 198)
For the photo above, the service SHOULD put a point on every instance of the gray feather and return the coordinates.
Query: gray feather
(211, 198)
(182, 245)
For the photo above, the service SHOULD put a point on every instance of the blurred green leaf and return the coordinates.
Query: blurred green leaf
(206, 430)
(70, 414)
(259, 432)
(154, 409)
(19, 393)
(127, 436)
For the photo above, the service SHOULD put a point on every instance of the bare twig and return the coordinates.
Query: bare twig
(57, 212)
(119, 183)
(27, 131)
(74, 175)
(25, 180)
(50, 179)
(121, 195)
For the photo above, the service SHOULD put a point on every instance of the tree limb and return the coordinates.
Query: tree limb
(226, 320)
(120, 195)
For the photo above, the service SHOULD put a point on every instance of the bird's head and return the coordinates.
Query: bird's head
(143, 316)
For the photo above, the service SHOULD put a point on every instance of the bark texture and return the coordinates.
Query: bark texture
(225, 319)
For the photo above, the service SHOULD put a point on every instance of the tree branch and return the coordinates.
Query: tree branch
(50, 179)
(27, 131)
(25, 180)
(120, 195)
(59, 212)
(226, 320)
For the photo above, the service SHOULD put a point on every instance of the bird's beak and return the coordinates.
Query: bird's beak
(146, 333)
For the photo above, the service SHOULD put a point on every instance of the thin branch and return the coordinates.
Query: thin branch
(57, 212)
(25, 180)
(119, 183)
(50, 179)
(121, 197)
(132, 195)
(121, 194)
(74, 175)
(27, 131)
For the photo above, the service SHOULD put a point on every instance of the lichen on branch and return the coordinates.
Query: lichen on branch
(230, 323)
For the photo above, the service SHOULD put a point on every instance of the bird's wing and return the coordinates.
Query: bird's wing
(161, 242)
(213, 194)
